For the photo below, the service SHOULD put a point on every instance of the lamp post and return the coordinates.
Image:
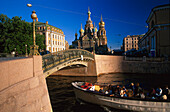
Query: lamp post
(34, 47)
(26, 54)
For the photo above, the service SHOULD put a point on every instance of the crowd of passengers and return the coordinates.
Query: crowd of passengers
(131, 91)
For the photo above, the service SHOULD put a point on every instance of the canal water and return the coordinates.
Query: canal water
(63, 98)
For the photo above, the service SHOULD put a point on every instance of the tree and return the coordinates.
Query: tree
(16, 33)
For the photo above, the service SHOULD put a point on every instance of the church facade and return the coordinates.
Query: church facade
(91, 38)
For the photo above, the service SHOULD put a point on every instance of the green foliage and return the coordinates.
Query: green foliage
(16, 33)
(70, 46)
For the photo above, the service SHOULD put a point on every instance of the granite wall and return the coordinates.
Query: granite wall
(116, 64)
(23, 86)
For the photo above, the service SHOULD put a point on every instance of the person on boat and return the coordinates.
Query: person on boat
(124, 94)
(158, 92)
(166, 91)
(110, 90)
(117, 90)
(86, 85)
(132, 87)
(164, 97)
(92, 88)
(137, 90)
(101, 90)
(124, 88)
(121, 93)
(142, 95)
(152, 93)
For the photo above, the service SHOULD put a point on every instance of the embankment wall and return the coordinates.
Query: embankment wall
(116, 64)
(23, 86)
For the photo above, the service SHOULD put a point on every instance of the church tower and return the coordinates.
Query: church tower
(89, 25)
(81, 31)
(102, 33)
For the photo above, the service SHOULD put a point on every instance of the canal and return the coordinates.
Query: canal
(63, 99)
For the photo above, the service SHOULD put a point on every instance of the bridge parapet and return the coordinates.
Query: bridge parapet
(55, 59)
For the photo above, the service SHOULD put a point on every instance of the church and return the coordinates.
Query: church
(91, 38)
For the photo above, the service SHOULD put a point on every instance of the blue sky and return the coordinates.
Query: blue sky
(121, 17)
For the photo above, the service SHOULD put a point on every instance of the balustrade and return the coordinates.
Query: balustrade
(54, 59)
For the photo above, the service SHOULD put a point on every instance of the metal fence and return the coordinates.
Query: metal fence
(150, 59)
(53, 59)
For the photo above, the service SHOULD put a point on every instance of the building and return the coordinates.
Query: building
(54, 37)
(157, 39)
(90, 37)
(130, 42)
(66, 45)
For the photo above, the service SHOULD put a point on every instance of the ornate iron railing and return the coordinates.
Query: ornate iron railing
(52, 60)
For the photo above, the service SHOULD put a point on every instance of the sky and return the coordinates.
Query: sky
(121, 17)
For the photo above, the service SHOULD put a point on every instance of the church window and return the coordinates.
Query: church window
(101, 32)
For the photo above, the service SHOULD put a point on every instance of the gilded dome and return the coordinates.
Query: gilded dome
(95, 29)
(81, 30)
(101, 23)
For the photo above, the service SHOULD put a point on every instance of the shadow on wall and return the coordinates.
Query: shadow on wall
(78, 70)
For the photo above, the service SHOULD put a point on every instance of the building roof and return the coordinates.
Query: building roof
(155, 9)
(40, 23)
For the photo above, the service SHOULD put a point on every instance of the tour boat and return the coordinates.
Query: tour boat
(132, 104)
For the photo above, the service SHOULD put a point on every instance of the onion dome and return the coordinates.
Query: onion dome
(76, 34)
(95, 29)
(89, 13)
(101, 22)
(81, 30)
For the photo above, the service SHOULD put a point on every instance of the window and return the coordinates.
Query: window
(101, 32)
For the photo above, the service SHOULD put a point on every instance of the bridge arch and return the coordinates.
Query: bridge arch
(56, 61)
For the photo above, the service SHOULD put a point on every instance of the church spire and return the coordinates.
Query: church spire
(89, 13)
(101, 23)
(101, 18)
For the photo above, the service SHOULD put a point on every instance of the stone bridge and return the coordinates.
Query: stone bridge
(56, 61)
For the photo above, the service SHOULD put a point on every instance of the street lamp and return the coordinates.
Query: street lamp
(34, 47)
(26, 54)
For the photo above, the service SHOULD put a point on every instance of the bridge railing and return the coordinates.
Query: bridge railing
(53, 59)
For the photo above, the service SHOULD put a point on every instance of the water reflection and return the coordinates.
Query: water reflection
(62, 95)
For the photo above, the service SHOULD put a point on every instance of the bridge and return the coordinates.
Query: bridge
(56, 61)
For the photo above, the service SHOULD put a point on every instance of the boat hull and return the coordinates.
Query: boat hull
(120, 103)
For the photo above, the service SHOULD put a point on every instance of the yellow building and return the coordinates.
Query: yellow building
(157, 40)
(66, 45)
(54, 37)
